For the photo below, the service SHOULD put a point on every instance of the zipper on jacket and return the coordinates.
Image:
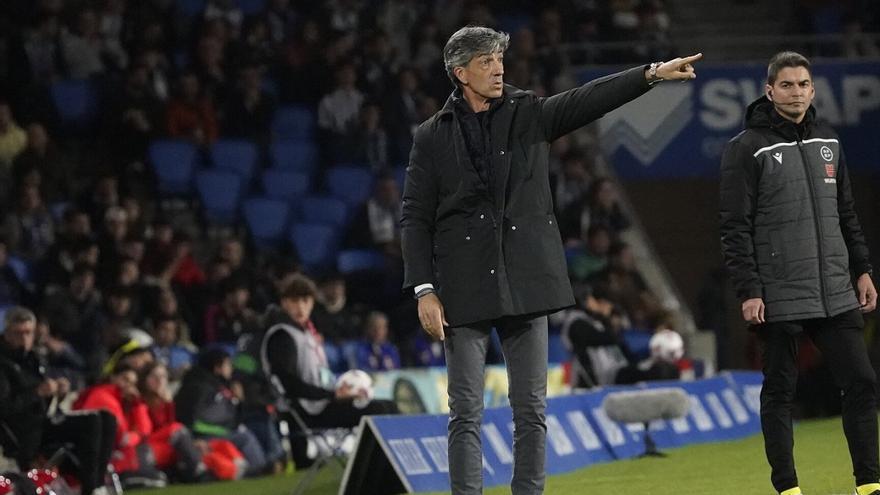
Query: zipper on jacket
(818, 223)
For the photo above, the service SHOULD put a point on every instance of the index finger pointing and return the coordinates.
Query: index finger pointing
(691, 59)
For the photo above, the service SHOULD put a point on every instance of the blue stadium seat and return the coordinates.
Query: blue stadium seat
(294, 122)
(266, 219)
(174, 164)
(76, 102)
(190, 8)
(251, 7)
(315, 244)
(286, 185)
(220, 193)
(324, 209)
(638, 342)
(359, 260)
(235, 155)
(350, 184)
(300, 156)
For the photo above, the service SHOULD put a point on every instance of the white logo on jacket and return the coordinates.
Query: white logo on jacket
(826, 153)
(778, 157)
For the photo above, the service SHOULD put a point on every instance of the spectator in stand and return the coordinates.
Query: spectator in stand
(338, 112)
(233, 253)
(167, 306)
(43, 165)
(228, 319)
(29, 229)
(280, 19)
(103, 194)
(213, 459)
(378, 224)
(12, 289)
(371, 140)
(377, 67)
(169, 260)
(190, 115)
(627, 288)
(208, 403)
(573, 183)
(401, 110)
(249, 110)
(210, 62)
(600, 206)
(13, 140)
(592, 258)
(335, 314)
(61, 359)
(135, 116)
(111, 240)
(116, 318)
(226, 11)
(73, 244)
(42, 50)
(175, 357)
(86, 53)
(375, 352)
(25, 394)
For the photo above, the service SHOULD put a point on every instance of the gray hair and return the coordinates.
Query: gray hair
(469, 42)
(18, 315)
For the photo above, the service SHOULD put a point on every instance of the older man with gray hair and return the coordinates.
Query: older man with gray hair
(480, 242)
(25, 394)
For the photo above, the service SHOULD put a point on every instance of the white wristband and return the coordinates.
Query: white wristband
(422, 287)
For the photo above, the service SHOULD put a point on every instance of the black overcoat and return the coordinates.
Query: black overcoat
(497, 256)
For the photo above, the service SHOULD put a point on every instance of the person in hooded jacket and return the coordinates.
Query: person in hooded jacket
(793, 246)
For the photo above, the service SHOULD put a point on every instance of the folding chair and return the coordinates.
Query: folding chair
(327, 445)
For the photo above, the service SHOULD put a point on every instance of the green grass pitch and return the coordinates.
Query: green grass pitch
(730, 468)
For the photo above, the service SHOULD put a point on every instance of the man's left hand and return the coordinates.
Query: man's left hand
(867, 293)
(679, 69)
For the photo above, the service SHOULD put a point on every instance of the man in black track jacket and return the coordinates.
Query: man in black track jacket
(793, 244)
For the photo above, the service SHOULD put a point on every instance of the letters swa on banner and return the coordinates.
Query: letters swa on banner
(680, 130)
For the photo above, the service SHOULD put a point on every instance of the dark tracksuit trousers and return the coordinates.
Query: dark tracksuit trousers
(840, 340)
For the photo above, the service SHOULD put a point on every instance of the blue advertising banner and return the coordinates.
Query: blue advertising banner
(679, 130)
(579, 433)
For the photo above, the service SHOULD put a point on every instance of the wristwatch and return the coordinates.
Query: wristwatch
(652, 73)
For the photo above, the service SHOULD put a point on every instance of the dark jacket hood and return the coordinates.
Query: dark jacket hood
(762, 114)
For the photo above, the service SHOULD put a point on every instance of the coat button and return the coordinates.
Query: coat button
(467, 238)
(511, 100)
(492, 271)
(502, 152)
(551, 222)
(482, 216)
(513, 227)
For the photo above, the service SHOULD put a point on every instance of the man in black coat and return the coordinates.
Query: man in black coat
(478, 228)
(26, 430)
(793, 244)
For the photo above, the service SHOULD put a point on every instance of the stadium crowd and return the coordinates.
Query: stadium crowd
(127, 296)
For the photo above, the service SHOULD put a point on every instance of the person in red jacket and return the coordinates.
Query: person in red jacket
(218, 457)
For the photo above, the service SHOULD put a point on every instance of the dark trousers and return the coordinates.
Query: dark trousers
(92, 435)
(524, 344)
(840, 340)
